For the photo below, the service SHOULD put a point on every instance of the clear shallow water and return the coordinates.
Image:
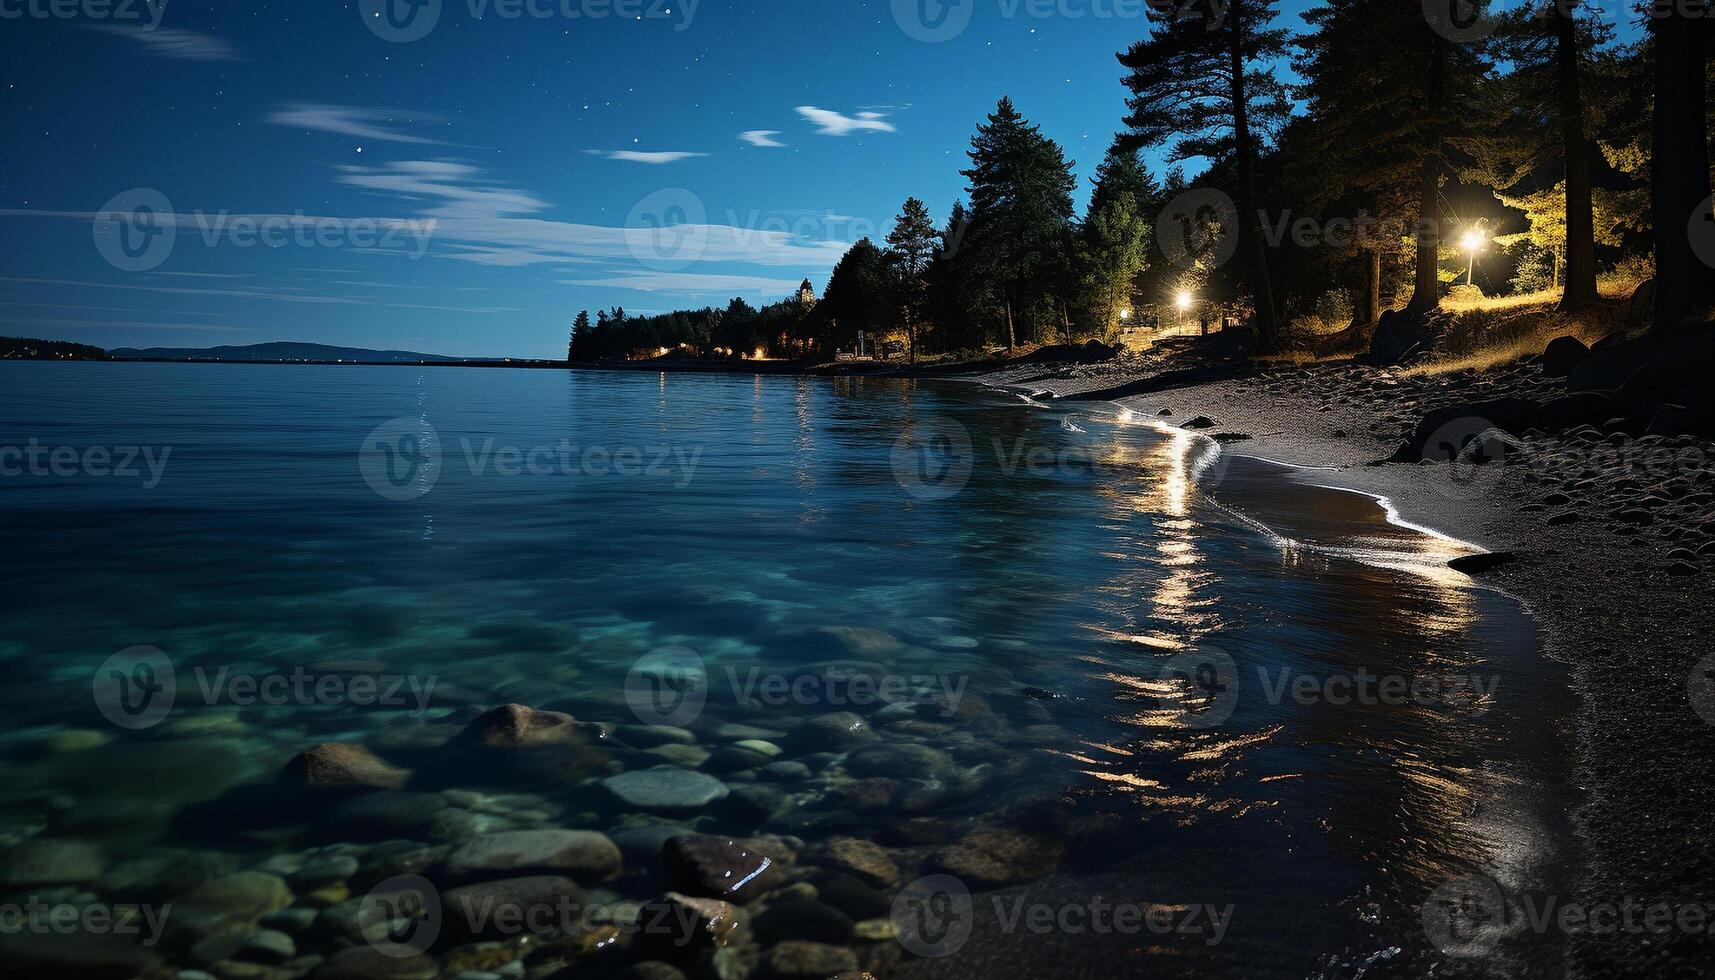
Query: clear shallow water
(764, 525)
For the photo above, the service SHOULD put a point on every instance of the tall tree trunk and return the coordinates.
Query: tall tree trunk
(1426, 294)
(1580, 215)
(1011, 334)
(910, 337)
(1250, 241)
(1679, 163)
(1368, 308)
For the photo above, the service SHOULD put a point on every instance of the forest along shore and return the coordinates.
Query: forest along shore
(1604, 529)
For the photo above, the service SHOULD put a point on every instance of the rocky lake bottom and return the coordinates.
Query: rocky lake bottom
(405, 673)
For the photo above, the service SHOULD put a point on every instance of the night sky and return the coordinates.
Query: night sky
(547, 149)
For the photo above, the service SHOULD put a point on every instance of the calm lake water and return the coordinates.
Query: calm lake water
(1086, 681)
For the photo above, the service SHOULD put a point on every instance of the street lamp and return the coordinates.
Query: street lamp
(1473, 242)
(1183, 300)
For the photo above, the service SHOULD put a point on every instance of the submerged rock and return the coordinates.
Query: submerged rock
(665, 788)
(345, 764)
(997, 856)
(719, 867)
(365, 963)
(865, 860)
(839, 730)
(500, 909)
(795, 958)
(45, 861)
(515, 725)
(898, 759)
(680, 928)
(583, 854)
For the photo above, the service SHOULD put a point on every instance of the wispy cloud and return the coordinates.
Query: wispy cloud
(456, 190)
(761, 137)
(644, 156)
(179, 45)
(261, 293)
(347, 120)
(692, 283)
(831, 123)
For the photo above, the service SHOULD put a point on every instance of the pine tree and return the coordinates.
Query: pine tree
(1539, 134)
(1679, 155)
(579, 347)
(1115, 249)
(911, 247)
(1122, 171)
(1205, 86)
(859, 297)
(1021, 210)
(1392, 102)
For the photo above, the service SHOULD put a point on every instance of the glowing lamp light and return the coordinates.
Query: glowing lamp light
(1473, 240)
(1183, 300)
(1125, 314)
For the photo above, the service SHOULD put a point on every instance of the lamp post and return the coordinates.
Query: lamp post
(1473, 242)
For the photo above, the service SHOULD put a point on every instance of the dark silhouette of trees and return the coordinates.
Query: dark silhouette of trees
(911, 248)
(1021, 211)
(1204, 86)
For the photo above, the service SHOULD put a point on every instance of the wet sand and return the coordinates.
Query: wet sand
(1622, 601)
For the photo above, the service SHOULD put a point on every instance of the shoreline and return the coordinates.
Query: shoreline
(1627, 631)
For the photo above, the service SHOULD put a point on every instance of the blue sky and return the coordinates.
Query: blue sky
(468, 191)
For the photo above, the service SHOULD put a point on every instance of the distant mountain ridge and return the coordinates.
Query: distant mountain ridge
(286, 351)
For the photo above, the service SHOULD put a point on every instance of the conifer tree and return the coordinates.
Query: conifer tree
(911, 247)
(1204, 85)
(1021, 210)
